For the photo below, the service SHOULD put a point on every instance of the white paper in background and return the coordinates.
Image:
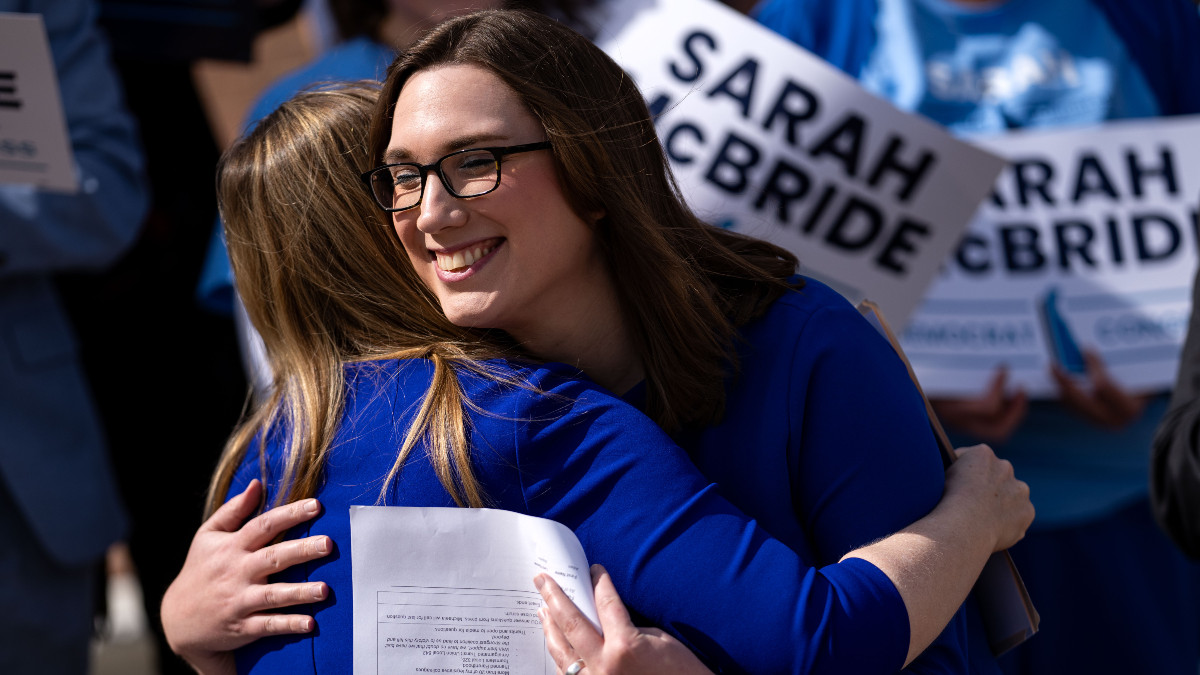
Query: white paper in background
(447, 590)
(1090, 243)
(34, 147)
(769, 140)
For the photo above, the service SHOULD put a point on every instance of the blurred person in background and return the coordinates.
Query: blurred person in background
(1114, 595)
(59, 503)
(144, 305)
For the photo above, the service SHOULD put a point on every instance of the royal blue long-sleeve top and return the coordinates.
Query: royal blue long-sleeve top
(844, 456)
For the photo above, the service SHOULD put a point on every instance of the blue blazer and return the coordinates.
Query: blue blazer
(53, 460)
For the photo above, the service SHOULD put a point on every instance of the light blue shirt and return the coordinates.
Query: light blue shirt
(984, 69)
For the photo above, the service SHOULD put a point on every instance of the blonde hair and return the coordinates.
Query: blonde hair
(325, 282)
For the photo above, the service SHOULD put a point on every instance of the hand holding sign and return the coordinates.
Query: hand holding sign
(1104, 403)
(991, 417)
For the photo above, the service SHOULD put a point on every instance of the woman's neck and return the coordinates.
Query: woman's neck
(591, 335)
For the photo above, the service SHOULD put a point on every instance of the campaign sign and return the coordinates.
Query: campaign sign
(1088, 241)
(769, 140)
(33, 133)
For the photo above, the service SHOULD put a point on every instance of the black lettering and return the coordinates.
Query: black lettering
(658, 105)
(1092, 178)
(728, 170)
(1020, 245)
(733, 88)
(844, 143)
(786, 183)
(809, 104)
(850, 233)
(818, 210)
(673, 149)
(996, 200)
(901, 241)
(1196, 227)
(1142, 236)
(1114, 240)
(969, 262)
(8, 90)
(1027, 183)
(1074, 236)
(911, 175)
(1137, 172)
(688, 48)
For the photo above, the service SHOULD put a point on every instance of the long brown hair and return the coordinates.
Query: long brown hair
(325, 282)
(684, 285)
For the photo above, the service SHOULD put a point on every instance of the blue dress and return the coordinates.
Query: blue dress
(837, 466)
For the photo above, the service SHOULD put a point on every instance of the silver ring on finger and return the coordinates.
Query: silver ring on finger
(574, 668)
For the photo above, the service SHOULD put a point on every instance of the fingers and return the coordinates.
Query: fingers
(285, 554)
(556, 642)
(1011, 416)
(993, 416)
(993, 401)
(977, 448)
(987, 405)
(266, 527)
(576, 627)
(1107, 405)
(613, 615)
(230, 516)
(1073, 396)
(263, 625)
(1123, 407)
(276, 596)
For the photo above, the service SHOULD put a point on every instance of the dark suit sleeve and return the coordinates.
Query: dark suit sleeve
(1175, 462)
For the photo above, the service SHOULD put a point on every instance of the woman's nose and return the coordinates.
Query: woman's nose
(439, 209)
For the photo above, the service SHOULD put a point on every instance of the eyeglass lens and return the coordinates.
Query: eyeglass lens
(466, 174)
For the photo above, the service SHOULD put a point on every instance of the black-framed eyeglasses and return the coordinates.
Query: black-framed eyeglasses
(464, 173)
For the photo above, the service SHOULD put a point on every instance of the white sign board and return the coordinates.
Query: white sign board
(34, 148)
(1088, 242)
(771, 141)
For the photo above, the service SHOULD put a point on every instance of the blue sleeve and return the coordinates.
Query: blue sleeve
(687, 560)
(214, 291)
(49, 232)
(866, 463)
(1163, 37)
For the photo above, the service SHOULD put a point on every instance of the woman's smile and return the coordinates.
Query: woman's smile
(517, 258)
(462, 262)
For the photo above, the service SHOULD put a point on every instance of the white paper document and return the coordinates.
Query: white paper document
(446, 590)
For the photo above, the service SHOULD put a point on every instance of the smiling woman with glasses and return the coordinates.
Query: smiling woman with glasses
(465, 173)
(417, 368)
